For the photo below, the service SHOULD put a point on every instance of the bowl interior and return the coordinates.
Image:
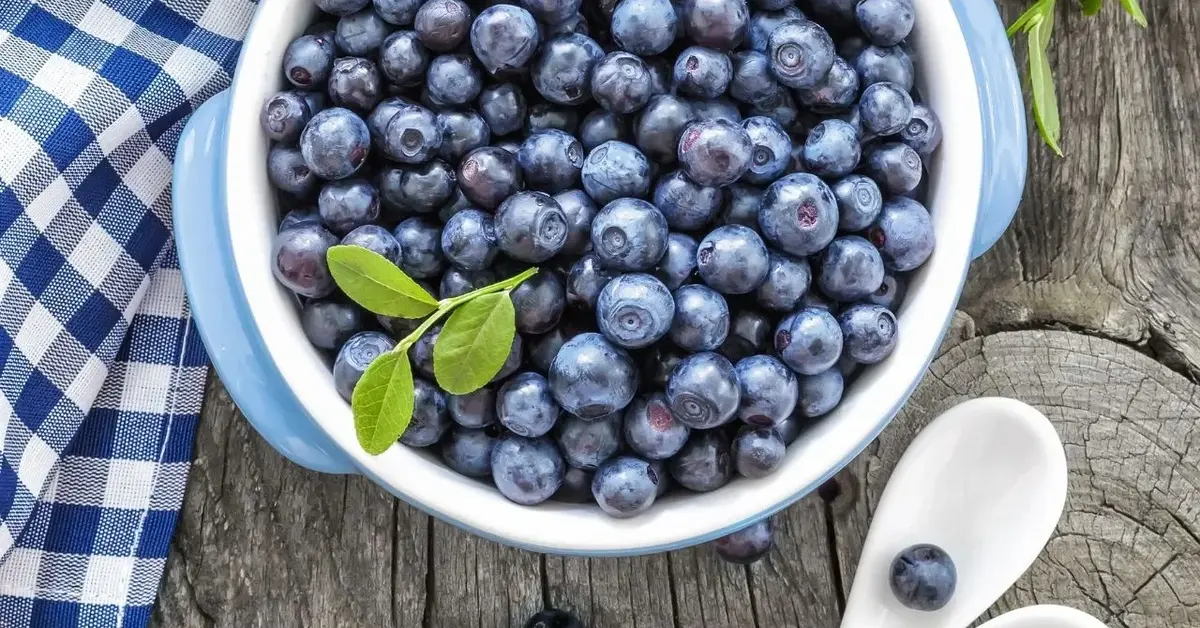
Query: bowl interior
(946, 80)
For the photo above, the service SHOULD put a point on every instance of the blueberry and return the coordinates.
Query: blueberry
(355, 356)
(453, 79)
(799, 214)
(469, 240)
(838, 92)
(457, 282)
(420, 247)
(679, 263)
(814, 298)
(715, 152)
(550, 160)
(644, 27)
(704, 463)
(859, 202)
(886, 108)
(758, 451)
(747, 545)
(527, 470)
(621, 83)
(545, 346)
(752, 81)
(832, 149)
(576, 489)
(771, 150)
(412, 135)
(850, 45)
(287, 171)
(651, 430)
(614, 170)
(839, 13)
(903, 233)
(789, 429)
(895, 167)
(530, 227)
(469, 451)
(870, 332)
(300, 216)
(742, 207)
(820, 393)
(801, 53)
(504, 38)
(587, 444)
(512, 362)
(474, 410)
(763, 23)
(462, 132)
(875, 64)
(600, 126)
(686, 205)
(284, 115)
(591, 378)
(579, 209)
(585, 281)
(629, 234)
(809, 341)
(348, 204)
(924, 131)
(354, 83)
(307, 61)
(361, 33)
(575, 25)
(719, 24)
(420, 354)
(299, 255)
(702, 72)
(659, 126)
(846, 366)
(326, 29)
(885, 22)
(732, 259)
(341, 7)
(625, 486)
(458, 202)
(442, 24)
(890, 292)
(768, 390)
(430, 420)
(562, 69)
(503, 107)
(544, 116)
(703, 391)
(701, 318)
(524, 405)
(489, 175)
(634, 310)
(780, 107)
(923, 577)
(379, 117)
(539, 302)
(552, 11)
(788, 279)
(398, 327)
(375, 238)
(398, 12)
(660, 362)
(749, 334)
(851, 269)
(422, 189)
(328, 323)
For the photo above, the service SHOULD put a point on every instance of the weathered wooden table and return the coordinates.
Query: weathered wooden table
(1086, 309)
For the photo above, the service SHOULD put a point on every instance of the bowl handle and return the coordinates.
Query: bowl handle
(1005, 148)
(218, 303)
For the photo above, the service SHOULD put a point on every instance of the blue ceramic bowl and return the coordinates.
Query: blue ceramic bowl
(225, 218)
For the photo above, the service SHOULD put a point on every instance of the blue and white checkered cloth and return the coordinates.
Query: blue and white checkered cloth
(101, 370)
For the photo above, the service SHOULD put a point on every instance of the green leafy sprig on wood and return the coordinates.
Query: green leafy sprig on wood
(471, 348)
(1038, 24)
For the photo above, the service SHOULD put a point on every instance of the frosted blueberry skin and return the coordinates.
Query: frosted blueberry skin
(629, 234)
(715, 152)
(585, 280)
(923, 577)
(772, 149)
(651, 430)
(430, 420)
(354, 83)
(903, 233)
(284, 115)
(870, 332)
(587, 444)
(732, 259)
(747, 545)
(859, 202)
(644, 27)
(703, 391)
(551, 160)
(355, 356)
(329, 323)
(820, 393)
(527, 471)
(530, 227)
(701, 320)
(503, 108)
(719, 24)
(525, 406)
(469, 451)
(788, 280)
(539, 303)
(658, 127)
(287, 171)
(884, 64)
(361, 33)
(634, 310)
(307, 61)
(489, 175)
(591, 378)
(462, 132)
(809, 341)
(679, 263)
(686, 205)
(702, 73)
(799, 214)
(504, 38)
(758, 451)
(412, 135)
(752, 81)
(851, 269)
(473, 410)
(335, 143)
(768, 389)
(420, 247)
(469, 240)
(562, 69)
(615, 170)
(580, 210)
(704, 463)
(442, 24)
(299, 259)
(621, 83)
(625, 486)
(376, 239)
(801, 53)
(601, 126)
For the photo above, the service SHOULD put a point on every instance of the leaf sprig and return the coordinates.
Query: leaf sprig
(1038, 23)
(472, 347)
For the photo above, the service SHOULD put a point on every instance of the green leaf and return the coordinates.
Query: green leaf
(1091, 7)
(1133, 8)
(375, 283)
(383, 402)
(474, 343)
(1041, 80)
(1032, 14)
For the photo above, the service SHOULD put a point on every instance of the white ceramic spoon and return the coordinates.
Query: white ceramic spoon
(986, 482)
(1045, 616)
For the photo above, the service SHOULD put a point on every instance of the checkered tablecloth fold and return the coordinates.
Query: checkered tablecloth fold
(101, 370)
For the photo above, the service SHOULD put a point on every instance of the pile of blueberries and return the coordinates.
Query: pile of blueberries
(723, 201)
